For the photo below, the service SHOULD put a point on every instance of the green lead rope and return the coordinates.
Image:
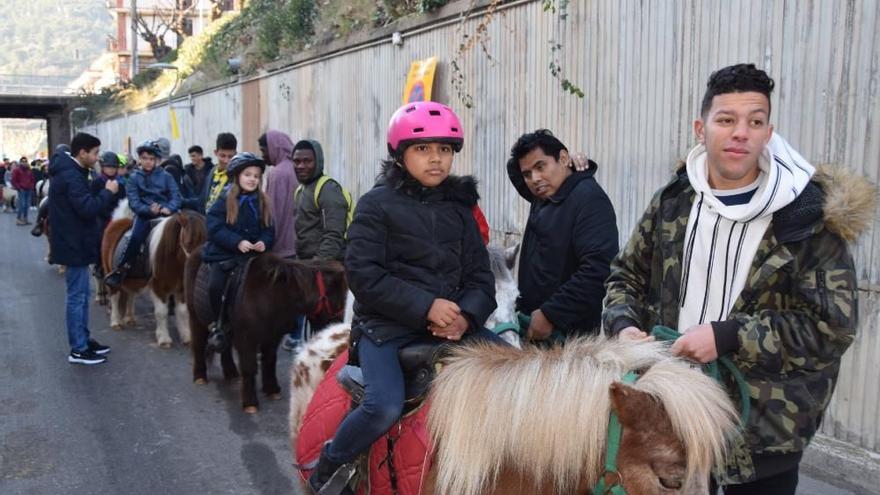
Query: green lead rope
(666, 334)
(615, 432)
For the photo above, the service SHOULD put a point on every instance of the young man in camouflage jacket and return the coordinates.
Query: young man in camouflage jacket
(745, 252)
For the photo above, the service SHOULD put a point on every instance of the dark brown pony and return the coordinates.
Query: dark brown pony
(273, 293)
(169, 244)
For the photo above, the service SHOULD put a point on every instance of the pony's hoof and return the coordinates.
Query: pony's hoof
(116, 326)
(275, 397)
(185, 343)
(251, 410)
(164, 345)
(130, 323)
(200, 381)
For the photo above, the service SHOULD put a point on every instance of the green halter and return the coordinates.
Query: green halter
(612, 484)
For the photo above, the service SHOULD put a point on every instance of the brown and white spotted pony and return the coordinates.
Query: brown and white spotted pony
(169, 243)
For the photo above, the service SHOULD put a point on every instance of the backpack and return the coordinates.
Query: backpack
(349, 215)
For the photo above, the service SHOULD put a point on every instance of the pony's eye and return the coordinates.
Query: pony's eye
(671, 483)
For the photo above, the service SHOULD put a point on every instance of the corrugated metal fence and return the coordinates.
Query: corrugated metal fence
(642, 66)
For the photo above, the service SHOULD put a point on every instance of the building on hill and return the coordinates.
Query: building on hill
(167, 22)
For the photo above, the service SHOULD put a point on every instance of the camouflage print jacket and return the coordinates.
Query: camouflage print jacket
(793, 321)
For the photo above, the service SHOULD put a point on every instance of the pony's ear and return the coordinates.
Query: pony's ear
(510, 256)
(634, 407)
(182, 220)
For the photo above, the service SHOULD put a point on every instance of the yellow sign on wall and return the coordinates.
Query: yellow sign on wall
(175, 127)
(420, 80)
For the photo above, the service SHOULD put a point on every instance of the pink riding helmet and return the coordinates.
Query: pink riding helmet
(424, 121)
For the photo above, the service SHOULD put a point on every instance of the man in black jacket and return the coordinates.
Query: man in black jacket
(196, 180)
(569, 241)
(73, 211)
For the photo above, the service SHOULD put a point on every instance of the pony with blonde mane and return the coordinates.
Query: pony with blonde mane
(535, 421)
(169, 244)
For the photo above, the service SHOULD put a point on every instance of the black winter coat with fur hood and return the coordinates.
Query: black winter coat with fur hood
(409, 245)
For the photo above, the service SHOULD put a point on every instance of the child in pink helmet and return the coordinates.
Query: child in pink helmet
(417, 266)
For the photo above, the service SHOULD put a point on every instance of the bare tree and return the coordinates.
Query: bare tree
(169, 16)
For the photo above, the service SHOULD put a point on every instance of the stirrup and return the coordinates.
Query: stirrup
(338, 483)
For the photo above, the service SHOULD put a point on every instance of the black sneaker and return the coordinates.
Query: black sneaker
(97, 348)
(37, 231)
(85, 357)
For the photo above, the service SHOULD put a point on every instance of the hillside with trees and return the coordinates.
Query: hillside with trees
(52, 37)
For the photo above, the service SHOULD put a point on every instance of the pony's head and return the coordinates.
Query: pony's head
(503, 262)
(504, 420)
(193, 230)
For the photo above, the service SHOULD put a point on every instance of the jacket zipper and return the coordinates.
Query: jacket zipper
(823, 291)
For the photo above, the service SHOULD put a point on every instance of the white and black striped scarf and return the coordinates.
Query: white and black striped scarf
(721, 240)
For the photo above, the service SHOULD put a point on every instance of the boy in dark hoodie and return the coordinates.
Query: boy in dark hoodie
(320, 221)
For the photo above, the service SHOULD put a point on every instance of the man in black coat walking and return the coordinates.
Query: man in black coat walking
(73, 213)
(569, 240)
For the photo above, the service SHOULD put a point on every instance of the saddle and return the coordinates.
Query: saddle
(140, 268)
(420, 363)
(201, 298)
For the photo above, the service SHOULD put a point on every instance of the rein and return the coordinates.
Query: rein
(323, 306)
(713, 369)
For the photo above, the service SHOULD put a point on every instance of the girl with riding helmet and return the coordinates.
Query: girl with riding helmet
(417, 266)
(239, 226)
(110, 164)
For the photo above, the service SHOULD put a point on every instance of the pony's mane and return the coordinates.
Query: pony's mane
(279, 270)
(544, 413)
(164, 237)
(122, 210)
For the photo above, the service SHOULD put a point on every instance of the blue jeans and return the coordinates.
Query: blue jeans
(383, 397)
(78, 294)
(139, 232)
(297, 332)
(23, 202)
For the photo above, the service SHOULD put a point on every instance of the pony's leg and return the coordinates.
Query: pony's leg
(116, 309)
(227, 362)
(181, 319)
(199, 348)
(160, 310)
(247, 358)
(268, 360)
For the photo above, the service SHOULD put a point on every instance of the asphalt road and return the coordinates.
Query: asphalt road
(133, 425)
(136, 424)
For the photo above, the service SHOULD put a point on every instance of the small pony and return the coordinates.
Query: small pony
(501, 420)
(170, 242)
(272, 293)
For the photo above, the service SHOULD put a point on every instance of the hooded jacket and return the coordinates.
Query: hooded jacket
(73, 213)
(569, 242)
(320, 231)
(409, 245)
(280, 186)
(144, 189)
(790, 325)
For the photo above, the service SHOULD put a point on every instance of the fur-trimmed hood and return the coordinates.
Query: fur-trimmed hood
(457, 188)
(849, 201)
